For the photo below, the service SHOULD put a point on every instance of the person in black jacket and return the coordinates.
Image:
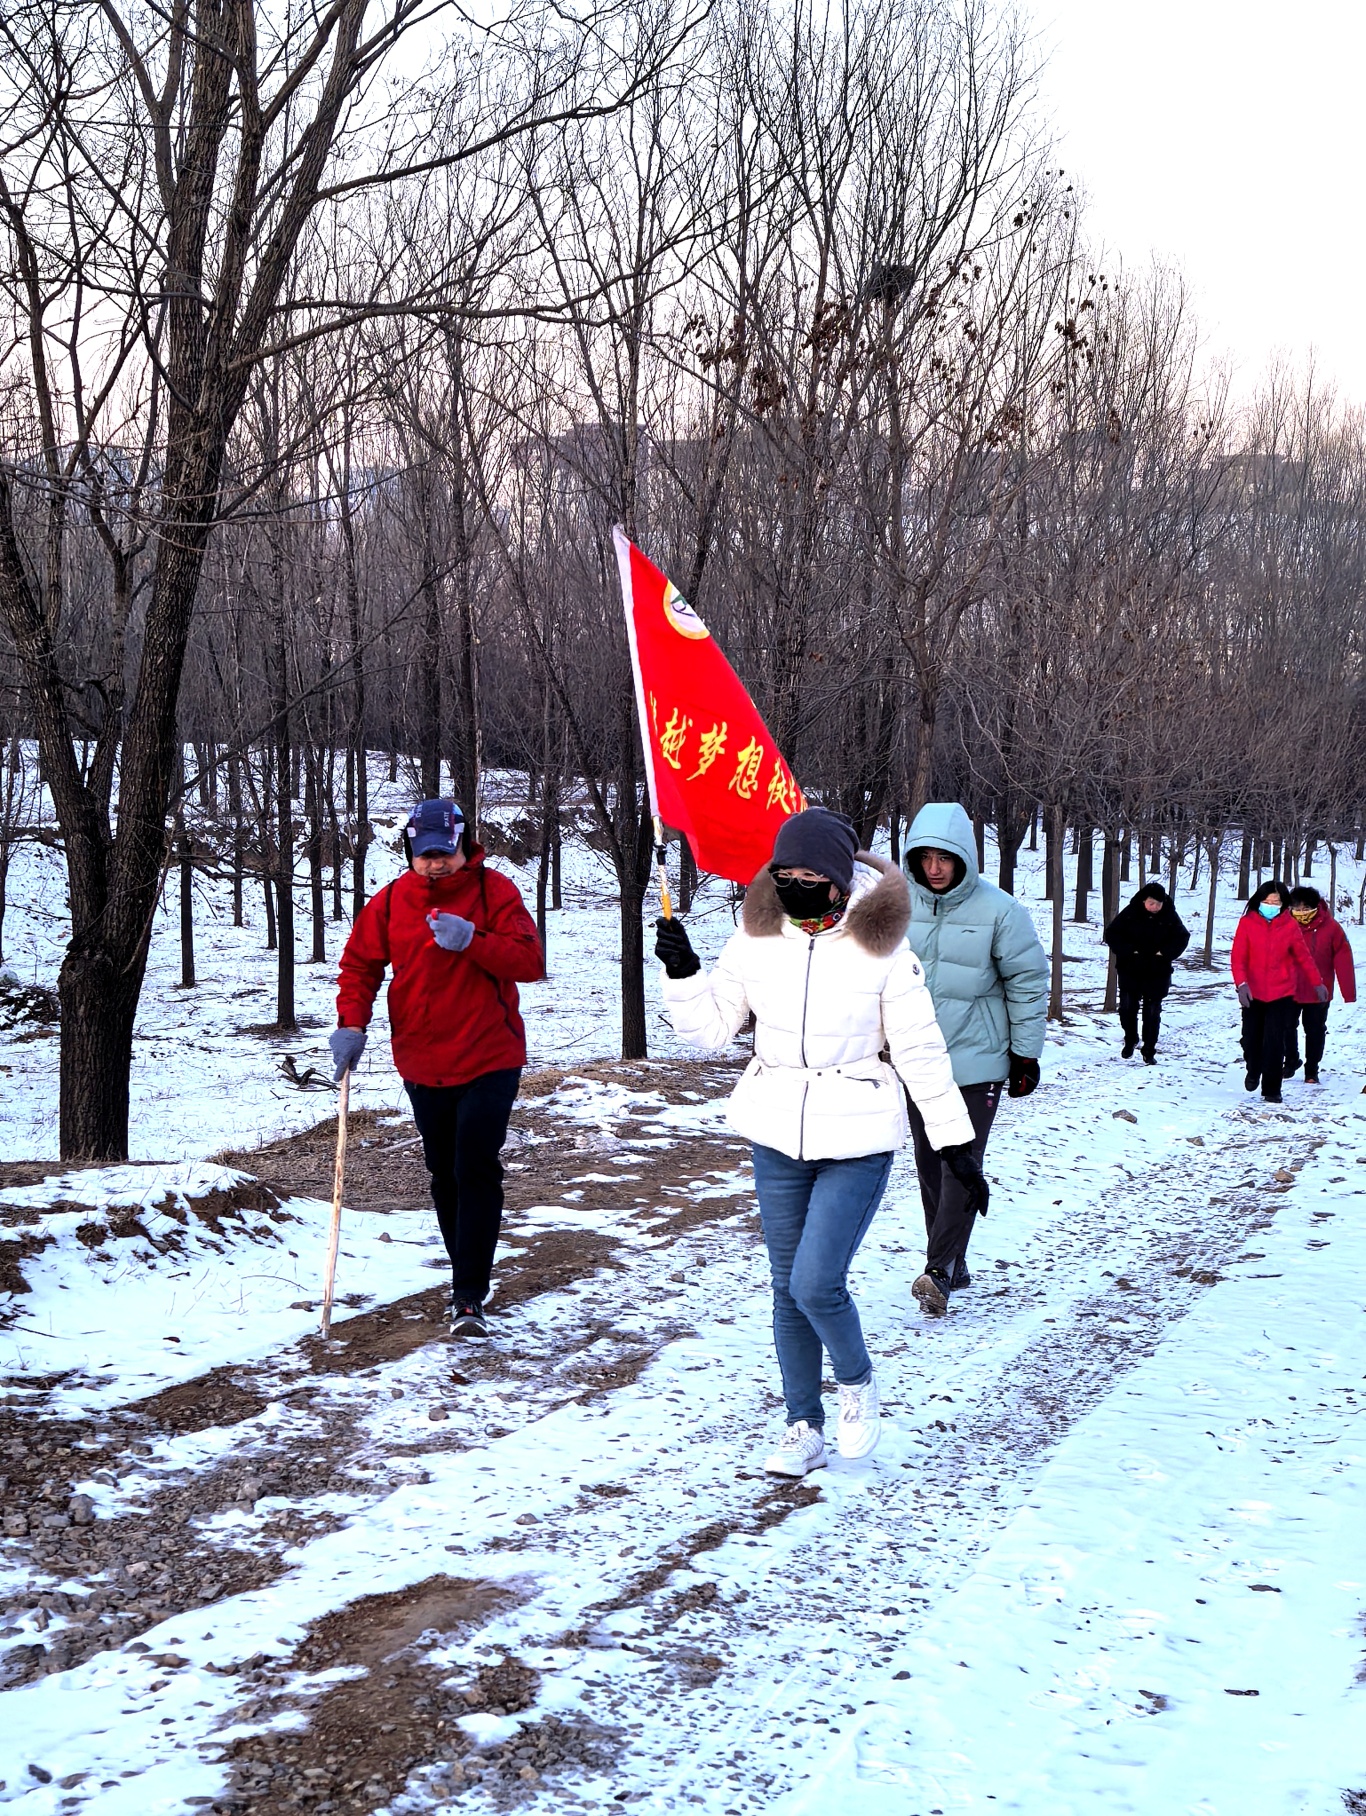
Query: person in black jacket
(1145, 938)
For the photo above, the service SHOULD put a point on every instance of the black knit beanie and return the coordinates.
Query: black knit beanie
(819, 840)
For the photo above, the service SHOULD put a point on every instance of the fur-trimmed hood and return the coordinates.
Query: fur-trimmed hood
(876, 919)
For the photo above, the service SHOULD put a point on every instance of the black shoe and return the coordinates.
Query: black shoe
(467, 1319)
(1251, 1081)
(931, 1291)
(1127, 1050)
(1149, 1057)
(1311, 1078)
(1291, 1068)
(1271, 1097)
(960, 1277)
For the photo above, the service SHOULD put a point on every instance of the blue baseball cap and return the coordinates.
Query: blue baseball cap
(435, 826)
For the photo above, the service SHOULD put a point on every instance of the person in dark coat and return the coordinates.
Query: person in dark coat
(1146, 937)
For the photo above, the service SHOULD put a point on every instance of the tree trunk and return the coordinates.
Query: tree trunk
(186, 854)
(1213, 846)
(429, 691)
(1245, 868)
(1124, 858)
(687, 877)
(1111, 875)
(238, 841)
(1081, 908)
(1056, 892)
(313, 807)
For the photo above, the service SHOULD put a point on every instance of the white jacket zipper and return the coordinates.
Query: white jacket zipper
(806, 994)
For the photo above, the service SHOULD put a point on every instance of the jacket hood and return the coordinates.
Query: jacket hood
(946, 826)
(876, 918)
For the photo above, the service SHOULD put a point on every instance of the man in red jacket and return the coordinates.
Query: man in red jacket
(1330, 951)
(459, 941)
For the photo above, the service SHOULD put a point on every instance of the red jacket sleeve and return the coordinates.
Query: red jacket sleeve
(508, 947)
(363, 962)
(1303, 960)
(1239, 961)
(1343, 966)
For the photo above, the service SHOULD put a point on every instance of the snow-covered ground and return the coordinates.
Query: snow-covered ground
(1109, 1556)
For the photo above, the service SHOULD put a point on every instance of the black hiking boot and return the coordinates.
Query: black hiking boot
(1311, 1078)
(931, 1291)
(1271, 1097)
(960, 1277)
(1292, 1066)
(1127, 1050)
(1149, 1057)
(1251, 1080)
(467, 1318)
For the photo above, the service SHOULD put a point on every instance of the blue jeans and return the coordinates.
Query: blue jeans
(815, 1214)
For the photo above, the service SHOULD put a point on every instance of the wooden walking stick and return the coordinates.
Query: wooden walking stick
(334, 1234)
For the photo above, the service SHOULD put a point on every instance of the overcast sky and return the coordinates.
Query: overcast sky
(1226, 136)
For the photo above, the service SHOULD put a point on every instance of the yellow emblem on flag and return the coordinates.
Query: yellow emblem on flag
(681, 615)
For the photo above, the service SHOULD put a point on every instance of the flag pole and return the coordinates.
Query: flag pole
(622, 544)
(661, 874)
(334, 1231)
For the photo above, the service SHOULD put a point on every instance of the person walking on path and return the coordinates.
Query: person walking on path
(988, 979)
(1332, 956)
(459, 941)
(1271, 962)
(1146, 937)
(820, 959)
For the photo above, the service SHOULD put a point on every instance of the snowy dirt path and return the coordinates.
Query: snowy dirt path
(582, 1591)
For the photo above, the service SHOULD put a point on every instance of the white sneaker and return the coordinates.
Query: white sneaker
(802, 1450)
(860, 1424)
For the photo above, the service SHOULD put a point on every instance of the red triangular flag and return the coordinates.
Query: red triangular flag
(714, 770)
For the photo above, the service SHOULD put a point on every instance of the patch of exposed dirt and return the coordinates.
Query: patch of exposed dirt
(16, 1173)
(384, 1169)
(398, 1715)
(12, 1257)
(143, 1567)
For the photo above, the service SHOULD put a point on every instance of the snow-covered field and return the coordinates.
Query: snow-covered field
(1109, 1557)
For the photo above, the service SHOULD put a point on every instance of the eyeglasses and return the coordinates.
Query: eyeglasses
(794, 876)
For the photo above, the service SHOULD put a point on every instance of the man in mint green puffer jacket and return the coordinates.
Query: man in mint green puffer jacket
(988, 979)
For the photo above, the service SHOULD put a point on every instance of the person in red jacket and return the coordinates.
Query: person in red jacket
(1270, 963)
(459, 941)
(1332, 956)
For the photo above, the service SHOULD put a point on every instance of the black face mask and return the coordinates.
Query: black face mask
(805, 901)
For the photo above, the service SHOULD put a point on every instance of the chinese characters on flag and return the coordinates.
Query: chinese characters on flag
(714, 771)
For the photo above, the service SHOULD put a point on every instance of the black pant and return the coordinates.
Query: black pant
(1315, 1017)
(463, 1127)
(1266, 1029)
(1133, 994)
(948, 1221)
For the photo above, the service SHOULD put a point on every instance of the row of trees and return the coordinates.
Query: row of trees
(320, 400)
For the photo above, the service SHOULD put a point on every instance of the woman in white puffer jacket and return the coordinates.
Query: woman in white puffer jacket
(822, 963)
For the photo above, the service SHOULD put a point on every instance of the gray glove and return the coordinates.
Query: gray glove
(347, 1045)
(1245, 995)
(450, 931)
(1322, 993)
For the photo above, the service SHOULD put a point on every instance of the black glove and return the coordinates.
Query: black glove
(1024, 1076)
(964, 1165)
(674, 950)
